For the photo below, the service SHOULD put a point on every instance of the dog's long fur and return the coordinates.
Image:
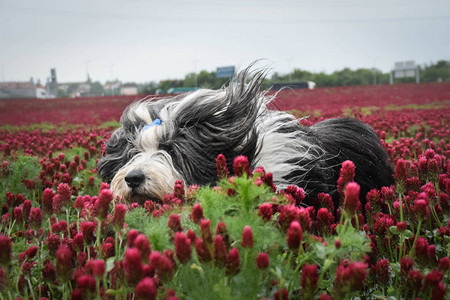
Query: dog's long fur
(233, 121)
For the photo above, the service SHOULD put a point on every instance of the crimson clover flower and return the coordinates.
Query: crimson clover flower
(132, 235)
(183, 248)
(265, 211)
(401, 226)
(87, 284)
(281, 294)
(324, 221)
(287, 214)
(164, 266)
(119, 216)
(382, 272)
(310, 278)
(414, 281)
(401, 172)
(421, 208)
(142, 243)
(146, 289)
(98, 268)
(192, 236)
(304, 217)
(35, 218)
(174, 223)
(298, 194)
(262, 261)
(351, 200)
(444, 264)
(132, 265)
(18, 214)
(241, 166)
(102, 204)
(78, 241)
(406, 264)
(57, 204)
(65, 192)
(326, 201)
(178, 190)
(31, 251)
(433, 278)
(64, 266)
(223, 231)
(197, 213)
(221, 165)
(203, 252)
(294, 235)
(247, 237)
(108, 247)
(347, 174)
(350, 277)
(388, 194)
(26, 207)
(53, 242)
(220, 252)
(233, 261)
(48, 272)
(88, 228)
(205, 227)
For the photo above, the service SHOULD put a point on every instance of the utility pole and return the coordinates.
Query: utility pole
(86, 62)
(112, 79)
(195, 61)
(3, 73)
(374, 70)
(289, 61)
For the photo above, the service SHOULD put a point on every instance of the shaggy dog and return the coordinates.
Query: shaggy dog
(179, 138)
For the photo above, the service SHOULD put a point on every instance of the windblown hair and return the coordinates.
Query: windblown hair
(143, 162)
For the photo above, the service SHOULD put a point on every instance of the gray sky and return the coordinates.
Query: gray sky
(137, 40)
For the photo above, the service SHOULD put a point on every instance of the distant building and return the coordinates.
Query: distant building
(17, 90)
(74, 89)
(112, 87)
(129, 89)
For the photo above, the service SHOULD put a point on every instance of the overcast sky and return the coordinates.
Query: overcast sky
(141, 41)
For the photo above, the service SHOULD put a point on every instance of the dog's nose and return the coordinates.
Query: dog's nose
(134, 178)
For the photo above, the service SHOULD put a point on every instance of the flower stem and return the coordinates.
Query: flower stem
(415, 238)
(99, 228)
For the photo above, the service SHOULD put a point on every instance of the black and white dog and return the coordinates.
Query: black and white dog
(179, 138)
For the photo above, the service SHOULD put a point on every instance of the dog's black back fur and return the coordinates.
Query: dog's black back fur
(349, 139)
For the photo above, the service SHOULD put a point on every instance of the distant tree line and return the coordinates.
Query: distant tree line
(433, 72)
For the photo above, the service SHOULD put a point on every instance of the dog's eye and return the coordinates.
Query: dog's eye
(168, 149)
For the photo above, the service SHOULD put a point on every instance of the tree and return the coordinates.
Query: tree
(97, 88)
(436, 72)
(190, 80)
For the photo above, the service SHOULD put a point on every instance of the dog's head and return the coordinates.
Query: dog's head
(178, 138)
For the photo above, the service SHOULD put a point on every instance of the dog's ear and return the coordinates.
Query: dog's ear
(118, 150)
(213, 122)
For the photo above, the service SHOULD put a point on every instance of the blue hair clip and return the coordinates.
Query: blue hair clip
(155, 122)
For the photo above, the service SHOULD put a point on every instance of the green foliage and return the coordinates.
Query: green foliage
(237, 209)
(110, 124)
(439, 71)
(97, 88)
(25, 167)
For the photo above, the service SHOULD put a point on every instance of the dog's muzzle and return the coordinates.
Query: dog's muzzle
(135, 178)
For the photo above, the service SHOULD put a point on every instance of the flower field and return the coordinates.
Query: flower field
(62, 236)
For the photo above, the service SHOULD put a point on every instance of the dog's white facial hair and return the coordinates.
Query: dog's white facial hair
(156, 165)
(160, 177)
